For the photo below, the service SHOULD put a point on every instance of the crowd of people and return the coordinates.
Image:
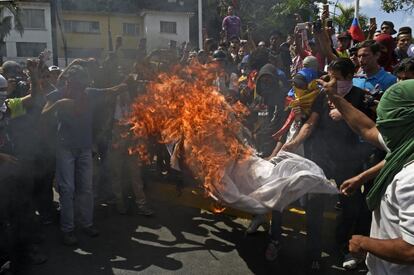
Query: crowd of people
(341, 102)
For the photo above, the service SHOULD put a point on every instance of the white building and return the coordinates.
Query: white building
(37, 34)
(163, 27)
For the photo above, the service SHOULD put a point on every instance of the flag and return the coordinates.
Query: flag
(356, 32)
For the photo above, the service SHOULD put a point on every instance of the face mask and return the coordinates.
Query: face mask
(343, 87)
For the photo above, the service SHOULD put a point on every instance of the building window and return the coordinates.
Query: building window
(33, 19)
(28, 49)
(168, 27)
(82, 26)
(82, 53)
(131, 29)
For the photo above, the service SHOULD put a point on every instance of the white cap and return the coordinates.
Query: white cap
(3, 82)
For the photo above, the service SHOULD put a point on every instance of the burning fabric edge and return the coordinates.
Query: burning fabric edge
(185, 108)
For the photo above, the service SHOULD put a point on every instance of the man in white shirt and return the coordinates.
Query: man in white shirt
(390, 246)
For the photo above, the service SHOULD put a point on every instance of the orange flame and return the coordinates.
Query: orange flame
(185, 105)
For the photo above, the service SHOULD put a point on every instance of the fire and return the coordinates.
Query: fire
(185, 106)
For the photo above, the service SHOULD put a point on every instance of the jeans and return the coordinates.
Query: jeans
(74, 182)
(314, 222)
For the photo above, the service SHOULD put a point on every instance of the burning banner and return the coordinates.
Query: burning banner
(185, 108)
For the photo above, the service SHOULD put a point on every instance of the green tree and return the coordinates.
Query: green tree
(394, 5)
(264, 16)
(344, 20)
(6, 23)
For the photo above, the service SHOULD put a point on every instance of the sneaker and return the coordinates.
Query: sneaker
(144, 209)
(272, 250)
(350, 262)
(90, 231)
(258, 220)
(69, 238)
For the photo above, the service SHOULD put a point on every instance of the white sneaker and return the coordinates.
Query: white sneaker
(350, 262)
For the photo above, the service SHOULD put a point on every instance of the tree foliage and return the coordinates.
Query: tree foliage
(263, 16)
(394, 5)
(344, 20)
(6, 22)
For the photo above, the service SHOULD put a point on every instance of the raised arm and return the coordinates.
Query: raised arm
(326, 44)
(304, 132)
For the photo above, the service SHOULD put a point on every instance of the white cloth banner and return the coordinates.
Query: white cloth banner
(258, 186)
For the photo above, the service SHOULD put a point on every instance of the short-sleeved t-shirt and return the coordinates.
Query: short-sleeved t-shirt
(75, 126)
(334, 142)
(379, 82)
(231, 24)
(394, 219)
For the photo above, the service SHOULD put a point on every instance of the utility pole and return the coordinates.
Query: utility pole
(110, 44)
(356, 8)
(200, 24)
(61, 30)
(53, 11)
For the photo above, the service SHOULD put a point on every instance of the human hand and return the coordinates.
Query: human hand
(349, 186)
(329, 87)
(355, 246)
(6, 159)
(325, 14)
(290, 146)
(32, 65)
(298, 112)
(372, 28)
(335, 115)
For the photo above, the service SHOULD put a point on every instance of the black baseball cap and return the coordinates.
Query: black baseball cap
(391, 25)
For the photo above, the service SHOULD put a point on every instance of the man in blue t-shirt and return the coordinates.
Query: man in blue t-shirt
(374, 78)
(74, 105)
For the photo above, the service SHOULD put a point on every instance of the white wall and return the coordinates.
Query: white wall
(40, 36)
(158, 40)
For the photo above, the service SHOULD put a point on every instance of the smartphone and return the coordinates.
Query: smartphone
(326, 9)
(372, 21)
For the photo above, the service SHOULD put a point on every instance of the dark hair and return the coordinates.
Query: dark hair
(258, 58)
(374, 46)
(275, 33)
(406, 65)
(401, 34)
(343, 65)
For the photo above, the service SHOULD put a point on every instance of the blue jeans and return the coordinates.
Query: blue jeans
(74, 182)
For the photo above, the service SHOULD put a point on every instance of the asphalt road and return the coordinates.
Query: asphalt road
(183, 239)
